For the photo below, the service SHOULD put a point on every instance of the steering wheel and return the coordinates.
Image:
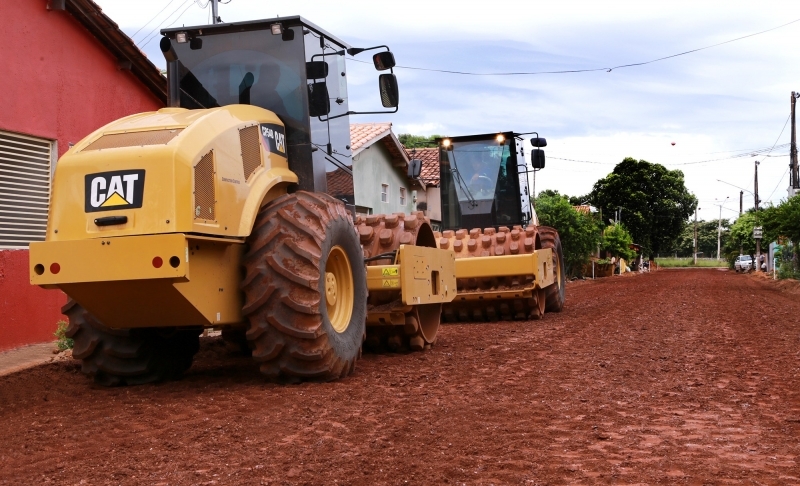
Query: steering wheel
(482, 187)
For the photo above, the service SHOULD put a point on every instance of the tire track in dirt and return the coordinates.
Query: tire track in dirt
(674, 376)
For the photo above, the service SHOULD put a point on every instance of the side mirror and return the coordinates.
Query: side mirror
(390, 93)
(383, 60)
(539, 142)
(414, 168)
(537, 158)
(319, 104)
(316, 70)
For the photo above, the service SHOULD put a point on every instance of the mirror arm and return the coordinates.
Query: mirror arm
(358, 50)
(358, 113)
(337, 53)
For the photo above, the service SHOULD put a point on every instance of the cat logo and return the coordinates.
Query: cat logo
(120, 189)
(274, 137)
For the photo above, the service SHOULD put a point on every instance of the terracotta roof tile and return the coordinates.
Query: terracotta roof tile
(430, 164)
(362, 133)
(340, 183)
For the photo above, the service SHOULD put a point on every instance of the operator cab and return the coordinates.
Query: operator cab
(483, 183)
(286, 65)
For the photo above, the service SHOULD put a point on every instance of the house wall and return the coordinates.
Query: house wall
(59, 83)
(371, 168)
(433, 196)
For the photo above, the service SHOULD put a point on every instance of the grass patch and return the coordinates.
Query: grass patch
(689, 262)
(62, 341)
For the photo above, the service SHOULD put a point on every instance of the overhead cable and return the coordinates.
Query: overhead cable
(150, 35)
(154, 17)
(606, 69)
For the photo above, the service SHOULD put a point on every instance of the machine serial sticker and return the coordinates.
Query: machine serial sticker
(274, 138)
(390, 272)
(119, 189)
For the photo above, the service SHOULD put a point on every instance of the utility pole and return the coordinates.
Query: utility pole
(695, 236)
(215, 12)
(758, 241)
(719, 231)
(794, 174)
(741, 200)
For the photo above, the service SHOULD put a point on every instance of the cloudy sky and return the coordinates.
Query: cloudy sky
(719, 105)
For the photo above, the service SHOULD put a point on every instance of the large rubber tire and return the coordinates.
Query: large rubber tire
(292, 335)
(115, 357)
(554, 294)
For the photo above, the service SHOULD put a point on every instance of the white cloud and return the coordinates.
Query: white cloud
(735, 96)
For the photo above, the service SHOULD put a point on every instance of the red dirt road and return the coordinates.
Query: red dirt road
(688, 377)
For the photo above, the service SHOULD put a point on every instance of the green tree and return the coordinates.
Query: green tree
(740, 237)
(418, 141)
(579, 232)
(654, 201)
(579, 200)
(706, 238)
(617, 241)
(783, 221)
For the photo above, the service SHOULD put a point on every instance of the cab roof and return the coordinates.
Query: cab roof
(263, 24)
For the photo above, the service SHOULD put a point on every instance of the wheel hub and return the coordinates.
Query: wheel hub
(339, 289)
(330, 288)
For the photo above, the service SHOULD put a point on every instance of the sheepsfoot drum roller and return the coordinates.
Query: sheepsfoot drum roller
(507, 266)
(212, 213)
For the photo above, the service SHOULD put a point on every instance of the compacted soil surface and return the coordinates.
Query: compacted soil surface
(678, 377)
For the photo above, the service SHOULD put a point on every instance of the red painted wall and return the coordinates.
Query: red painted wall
(57, 82)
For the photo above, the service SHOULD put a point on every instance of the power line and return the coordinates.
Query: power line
(738, 156)
(606, 69)
(149, 34)
(154, 17)
(776, 187)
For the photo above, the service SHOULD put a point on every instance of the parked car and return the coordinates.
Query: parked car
(743, 263)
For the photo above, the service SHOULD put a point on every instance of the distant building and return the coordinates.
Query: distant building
(380, 182)
(67, 69)
(429, 201)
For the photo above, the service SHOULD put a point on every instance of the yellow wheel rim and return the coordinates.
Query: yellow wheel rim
(339, 290)
(557, 265)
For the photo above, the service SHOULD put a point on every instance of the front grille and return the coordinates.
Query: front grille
(204, 197)
(251, 150)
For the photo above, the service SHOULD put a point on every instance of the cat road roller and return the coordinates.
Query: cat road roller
(213, 213)
(507, 265)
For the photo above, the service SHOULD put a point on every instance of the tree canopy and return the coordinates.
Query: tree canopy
(706, 238)
(654, 201)
(418, 141)
(617, 241)
(579, 232)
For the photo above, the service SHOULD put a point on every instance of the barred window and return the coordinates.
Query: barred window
(25, 170)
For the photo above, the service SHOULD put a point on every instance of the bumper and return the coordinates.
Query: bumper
(146, 281)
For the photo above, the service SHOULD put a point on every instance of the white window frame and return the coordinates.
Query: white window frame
(25, 187)
(385, 193)
(402, 196)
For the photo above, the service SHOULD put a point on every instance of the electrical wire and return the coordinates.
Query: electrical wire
(737, 156)
(148, 37)
(154, 17)
(606, 69)
(778, 185)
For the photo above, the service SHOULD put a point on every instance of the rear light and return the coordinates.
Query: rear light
(157, 262)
